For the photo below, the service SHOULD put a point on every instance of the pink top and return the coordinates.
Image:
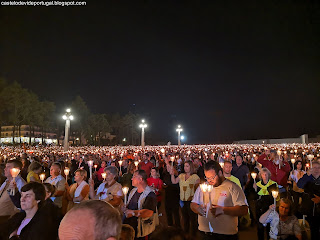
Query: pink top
(99, 172)
(23, 224)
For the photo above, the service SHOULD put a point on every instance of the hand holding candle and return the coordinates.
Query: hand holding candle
(254, 176)
(104, 175)
(14, 173)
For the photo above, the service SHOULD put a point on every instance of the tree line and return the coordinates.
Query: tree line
(20, 106)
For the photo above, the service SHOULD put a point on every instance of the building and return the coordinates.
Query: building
(26, 134)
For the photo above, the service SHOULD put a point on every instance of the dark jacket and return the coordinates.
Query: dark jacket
(43, 225)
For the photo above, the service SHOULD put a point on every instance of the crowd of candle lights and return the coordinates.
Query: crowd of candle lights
(94, 155)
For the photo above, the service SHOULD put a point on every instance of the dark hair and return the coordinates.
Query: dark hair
(191, 166)
(296, 163)
(212, 165)
(127, 232)
(142, 174)
(37, 188)
(50, 188)
(16, 163)
(34, 166)
(288, 202)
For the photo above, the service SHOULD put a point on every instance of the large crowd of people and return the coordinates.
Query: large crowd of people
(160, 192)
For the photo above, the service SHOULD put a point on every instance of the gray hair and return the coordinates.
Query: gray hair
(113, 170)
(107, 218)
(265, 170)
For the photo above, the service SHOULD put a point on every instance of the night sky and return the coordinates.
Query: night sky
(224, 70)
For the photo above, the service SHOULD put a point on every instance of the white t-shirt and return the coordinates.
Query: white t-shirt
(228, 194)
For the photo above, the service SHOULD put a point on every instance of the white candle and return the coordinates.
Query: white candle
(254, 175)
(104, 175)
(14, 173)
(136, 163)
(275, 195)
(66, 172)
(221, 164)
(293, 161)
(42, 177)
(90, 163)
(125, 191)
(95, 167)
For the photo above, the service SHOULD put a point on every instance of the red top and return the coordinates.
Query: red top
(146, 167)
(99, 172)
(280, 176)
(157, 184)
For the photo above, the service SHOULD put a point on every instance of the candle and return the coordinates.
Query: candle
(90, 163)
(95, 167)
(204, 188)
(254, 175)
(125, 191)
(136, 163)
(275, 195)
(293, 161)
(14, 173)
(66, 172)
(42, 177)
(104, 175)
(120, 163)
(222, 164)
(172, 161)
(307, 166)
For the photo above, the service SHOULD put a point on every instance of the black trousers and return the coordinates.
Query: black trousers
(314, 223)
(190, 219)
(172, 209)
(216, 236)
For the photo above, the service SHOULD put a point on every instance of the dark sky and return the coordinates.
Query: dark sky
(224, 70)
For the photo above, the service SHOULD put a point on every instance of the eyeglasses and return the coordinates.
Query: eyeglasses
(210, 178)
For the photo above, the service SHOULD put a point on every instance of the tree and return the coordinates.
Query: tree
(98, 126)
(81, 114)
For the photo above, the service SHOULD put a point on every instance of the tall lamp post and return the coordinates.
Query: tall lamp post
(143, 125)
(67, 116)
(179, 130)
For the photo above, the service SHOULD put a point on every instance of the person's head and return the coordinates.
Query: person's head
(265, 174)
(31, 195)
(188, 167)
(93, 219)
(127, 232)
(196, 162)
(12, 164)
(298, 165)
(239, 160)
(55, 169)
(154, 172)
(80, 175)
(139, 178)
(227, 168)
(35, 167)
(103, 164)
(285, 207)
(213, 173)
(50, 189)
(273, 154)
(315, 170)
(145, 157)
(112, 173)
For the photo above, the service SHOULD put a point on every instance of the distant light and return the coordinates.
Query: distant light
(142, 120)
(182, 137)
(64, 117)
(71, 117)
(124, 139)
(77, 139)
(68, 110)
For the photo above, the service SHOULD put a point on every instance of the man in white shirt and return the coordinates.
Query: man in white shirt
(228, 202)
(7, 207)
(58, 181)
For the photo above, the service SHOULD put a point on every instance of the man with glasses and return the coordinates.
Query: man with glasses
(228, 202)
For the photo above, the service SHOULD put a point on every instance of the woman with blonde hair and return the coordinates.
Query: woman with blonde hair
(79, 191)
(34, 170)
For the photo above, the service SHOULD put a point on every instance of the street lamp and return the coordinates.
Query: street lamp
(67, 116)
(143, 125)
(179, 130)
